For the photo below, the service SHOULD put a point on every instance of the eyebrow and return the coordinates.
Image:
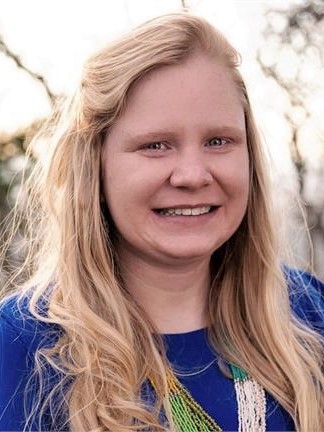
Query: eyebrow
(230, 130)
(167, 133)
(147, 136)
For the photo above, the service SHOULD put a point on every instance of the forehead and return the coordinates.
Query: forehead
(201, 88)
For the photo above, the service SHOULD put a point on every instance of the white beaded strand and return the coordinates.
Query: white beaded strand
(251, 404)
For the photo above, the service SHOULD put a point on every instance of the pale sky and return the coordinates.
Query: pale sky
(53, 38)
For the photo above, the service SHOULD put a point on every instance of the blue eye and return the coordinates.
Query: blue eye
(217, 142)
(158, 145)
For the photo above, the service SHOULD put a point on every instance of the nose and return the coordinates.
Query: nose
(191, 171)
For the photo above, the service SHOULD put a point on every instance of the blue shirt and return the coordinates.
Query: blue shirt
(21, 335)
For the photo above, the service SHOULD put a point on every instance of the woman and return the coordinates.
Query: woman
(158, 300)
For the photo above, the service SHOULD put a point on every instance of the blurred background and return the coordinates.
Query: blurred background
(43, 44)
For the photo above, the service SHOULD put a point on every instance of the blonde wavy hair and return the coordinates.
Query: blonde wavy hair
(106, 349)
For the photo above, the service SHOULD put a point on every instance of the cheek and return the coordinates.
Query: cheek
(243, 188)
(127, 192)
(133, 178)
(243, 177)
(242, 169)
(116, 177)
(234, 174)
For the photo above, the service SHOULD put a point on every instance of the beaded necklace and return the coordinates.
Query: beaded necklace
(251, 402)
(189, 416)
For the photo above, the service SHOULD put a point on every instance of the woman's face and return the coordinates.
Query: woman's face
(176, 165)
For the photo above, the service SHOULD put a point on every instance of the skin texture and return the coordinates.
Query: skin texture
(180, 143)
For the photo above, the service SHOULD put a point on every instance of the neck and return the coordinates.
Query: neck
(174, 297)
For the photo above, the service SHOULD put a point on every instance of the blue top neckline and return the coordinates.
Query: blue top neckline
(189, 333)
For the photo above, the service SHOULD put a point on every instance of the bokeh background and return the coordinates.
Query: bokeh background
(43, 44)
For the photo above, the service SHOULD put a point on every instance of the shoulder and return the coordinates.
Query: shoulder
(306, 294)
(21, 336)
(19, 326)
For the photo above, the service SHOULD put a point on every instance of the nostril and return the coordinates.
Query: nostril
(191, 177)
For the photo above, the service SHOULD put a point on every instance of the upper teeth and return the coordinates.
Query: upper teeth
(185, 211)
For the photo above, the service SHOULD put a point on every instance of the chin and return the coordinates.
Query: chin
(187, 254)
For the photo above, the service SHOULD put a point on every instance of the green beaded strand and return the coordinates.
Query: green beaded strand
(238, 373)
(187, 414)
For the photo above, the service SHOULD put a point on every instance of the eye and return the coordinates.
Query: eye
(156, 146)
(217, 142)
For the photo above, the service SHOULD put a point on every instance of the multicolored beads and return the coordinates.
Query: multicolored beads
(251, 402)
(187, 414)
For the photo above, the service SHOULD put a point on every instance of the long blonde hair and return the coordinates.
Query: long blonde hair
(106, 350)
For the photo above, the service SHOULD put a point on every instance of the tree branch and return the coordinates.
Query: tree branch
(184, 5)
(7, 51)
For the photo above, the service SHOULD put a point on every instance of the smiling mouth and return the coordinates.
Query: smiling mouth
(195, 211)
